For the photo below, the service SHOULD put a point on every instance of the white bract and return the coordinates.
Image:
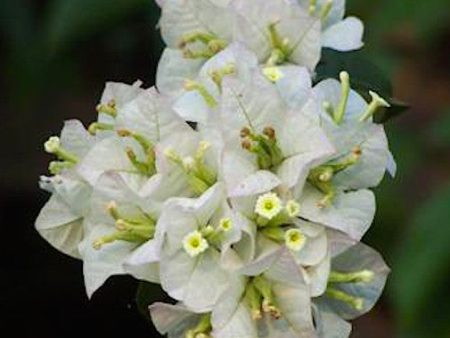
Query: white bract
(194, 243)
(278, 32)
(120, 221)
(266, 142)
(59, 222)
(236, 184)
(339, 33)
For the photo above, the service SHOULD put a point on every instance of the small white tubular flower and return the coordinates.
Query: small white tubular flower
(226, 224)
(295, 239)
(52, 145)
(268, 205)
(194, 244)
(292, 208)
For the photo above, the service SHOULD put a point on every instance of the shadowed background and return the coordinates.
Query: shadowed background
(55, 57)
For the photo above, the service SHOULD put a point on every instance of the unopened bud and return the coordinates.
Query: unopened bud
(245, 132)
(124, 133)
(269, 132)
(52, 145)
(121, 225)
(256, 314)
(246, 144)
(326, 176)
(357, 151)
(112, 209)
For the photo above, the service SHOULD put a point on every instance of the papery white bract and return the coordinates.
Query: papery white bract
(238, 184)
(59, 222)
(339, 33)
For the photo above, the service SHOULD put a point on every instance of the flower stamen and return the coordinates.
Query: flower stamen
(53, 146)
(376, 103)
(355, 302)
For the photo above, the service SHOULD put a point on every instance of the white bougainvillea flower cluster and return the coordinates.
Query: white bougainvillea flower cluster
(235, 184)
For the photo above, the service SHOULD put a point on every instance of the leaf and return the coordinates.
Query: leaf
(364, 75)
(421, 273)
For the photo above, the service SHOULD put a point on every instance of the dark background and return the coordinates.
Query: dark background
(55, 56)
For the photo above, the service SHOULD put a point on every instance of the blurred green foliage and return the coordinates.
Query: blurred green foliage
(406, 39)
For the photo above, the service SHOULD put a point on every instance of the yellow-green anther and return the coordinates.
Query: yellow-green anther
(143, 231)
(347, 162)
(99, 126)
(136, 230)
(203, 328)
(200, 168)
(277, 57)
(280, 46)
(254, 301)
(218, 74)
(355, 302)
(339, 112)
(113, 210)
(326, 175)
(277, 41)
(328, 198)
(148, 167)
(108, 108)
(312, 7)
(196, 37)
(328, 107)
(326, 9)
(363, 276)
(376, 103)
(264, 287)
(140, 166)
(212, 43)
(145, 143)
(199, 54)
(202, 148)
(216, 45)
(172, 155)
(53, 146)
(190, 85)
(116, 236)
(56, 167)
